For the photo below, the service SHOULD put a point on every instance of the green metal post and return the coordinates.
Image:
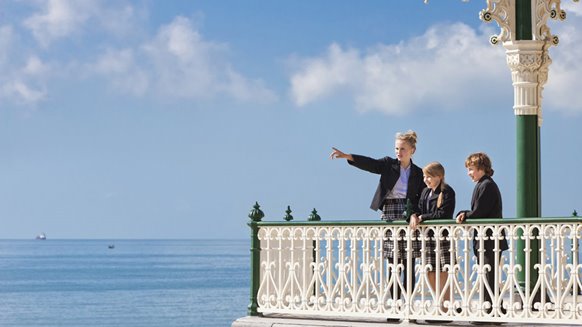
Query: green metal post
(528, 183)
(255, 215)
(523, 26)
(288, 216)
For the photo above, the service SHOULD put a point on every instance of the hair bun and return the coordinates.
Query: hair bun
(408, 136)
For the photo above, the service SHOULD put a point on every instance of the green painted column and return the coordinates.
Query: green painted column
(528, 180)
(255, 215)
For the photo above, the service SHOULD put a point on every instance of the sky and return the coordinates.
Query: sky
(170, 119)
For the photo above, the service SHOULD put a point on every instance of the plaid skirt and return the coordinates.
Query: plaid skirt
(430, 250)
(393, 209)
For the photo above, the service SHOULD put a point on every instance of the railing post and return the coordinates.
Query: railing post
(255, 215)
(410, 274)
(288, 216)
(314, 216)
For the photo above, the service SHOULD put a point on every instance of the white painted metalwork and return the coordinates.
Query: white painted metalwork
(528, 60)
(339, 270)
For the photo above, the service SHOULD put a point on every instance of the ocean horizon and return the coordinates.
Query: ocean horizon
(129, 282)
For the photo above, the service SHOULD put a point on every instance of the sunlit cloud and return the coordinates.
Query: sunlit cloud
(21, 76)
(177, 62)
(562, 91)
(183, 63)
(120, 67)
(59, 19)
(572, 8)
(6, 39)
(22, 93)
(448, 67)
(35, 67)
(247, 90)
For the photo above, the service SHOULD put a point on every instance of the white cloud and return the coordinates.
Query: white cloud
(450, 66)
(179, 63)
(572, 8)
(184, 64)
(117, 18)
(35, 67)
(59, 19)
(562, 91)
(22, 92)
(121, 68)
(21, 77)
(176, 62)
(447, 67)
(245, 90)
(6, 36)
(321, 76)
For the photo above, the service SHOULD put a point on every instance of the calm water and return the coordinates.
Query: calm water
(158, 283)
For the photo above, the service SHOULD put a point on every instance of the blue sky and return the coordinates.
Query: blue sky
(169, 119)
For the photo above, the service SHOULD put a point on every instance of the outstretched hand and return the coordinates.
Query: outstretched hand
(337, 154)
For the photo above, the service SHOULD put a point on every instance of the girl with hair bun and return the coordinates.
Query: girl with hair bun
(400, 180)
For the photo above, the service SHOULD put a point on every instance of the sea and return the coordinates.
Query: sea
(123, 283)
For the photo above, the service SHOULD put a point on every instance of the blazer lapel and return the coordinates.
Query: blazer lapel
(396, 168)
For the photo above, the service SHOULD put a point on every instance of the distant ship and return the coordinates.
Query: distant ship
(41, 236)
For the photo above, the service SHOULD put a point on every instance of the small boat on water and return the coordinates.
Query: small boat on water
(111, 246)
(41, 236)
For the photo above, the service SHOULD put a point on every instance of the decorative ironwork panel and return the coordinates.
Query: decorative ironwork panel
(460, 272)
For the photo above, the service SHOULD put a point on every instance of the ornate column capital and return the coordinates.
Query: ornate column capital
(528, 60)
(524, 56)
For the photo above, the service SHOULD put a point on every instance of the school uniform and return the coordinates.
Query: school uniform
(395, 187)
(428, 210)
(389, 170)
(486, 203)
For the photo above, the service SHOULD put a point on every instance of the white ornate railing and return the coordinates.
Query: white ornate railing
(337, 269)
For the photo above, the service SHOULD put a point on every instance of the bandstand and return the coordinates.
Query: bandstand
(325, 273)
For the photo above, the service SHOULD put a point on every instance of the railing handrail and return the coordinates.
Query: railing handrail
(471, 221)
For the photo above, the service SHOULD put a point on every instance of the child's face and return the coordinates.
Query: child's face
(475, 173)
(403, 150)
(432, 181)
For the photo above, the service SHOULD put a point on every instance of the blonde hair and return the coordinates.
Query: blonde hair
(435, 169)
(408, 136)
(481, 161)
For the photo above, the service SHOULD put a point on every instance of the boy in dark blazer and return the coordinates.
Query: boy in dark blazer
(485, 203)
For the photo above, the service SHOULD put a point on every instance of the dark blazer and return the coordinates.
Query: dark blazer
(486, 203)
(389, 171)
(428, 203)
